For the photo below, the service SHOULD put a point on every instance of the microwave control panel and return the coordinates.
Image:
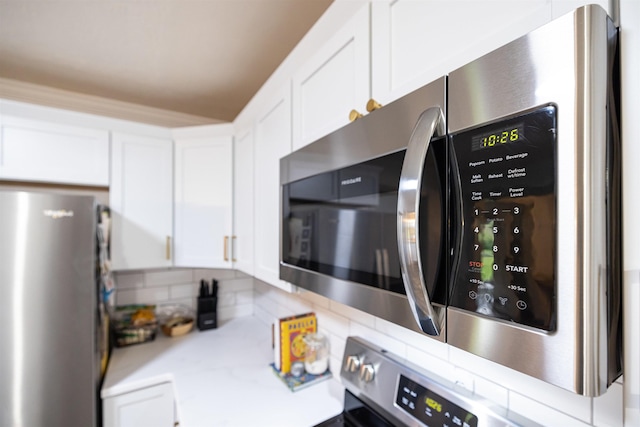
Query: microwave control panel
(506, 174)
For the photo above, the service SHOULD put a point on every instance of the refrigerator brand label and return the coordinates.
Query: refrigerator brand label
(57, 214)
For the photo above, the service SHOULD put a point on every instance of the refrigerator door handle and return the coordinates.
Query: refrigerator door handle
(430, 124)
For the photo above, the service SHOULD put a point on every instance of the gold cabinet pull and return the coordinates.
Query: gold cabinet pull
(354, 115)
(373, 105)
(226, 244)
(168, 248)
(233, 248)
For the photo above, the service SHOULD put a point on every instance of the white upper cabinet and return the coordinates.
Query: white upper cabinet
(141, 201)
(243, 204)
(416, 42)
(334, 81)
(272, 141)
(34, 150)
(203, 201)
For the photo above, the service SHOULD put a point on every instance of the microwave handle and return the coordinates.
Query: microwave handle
(430, 124)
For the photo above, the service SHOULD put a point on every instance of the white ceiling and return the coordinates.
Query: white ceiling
(197, 57)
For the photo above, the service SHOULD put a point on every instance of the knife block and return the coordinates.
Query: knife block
(207, 313)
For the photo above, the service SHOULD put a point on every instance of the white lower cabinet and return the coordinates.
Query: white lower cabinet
(34, 150)
(141, 202)
(203, 201)
(151, 406)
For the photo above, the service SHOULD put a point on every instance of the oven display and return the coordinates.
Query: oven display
(431, 408)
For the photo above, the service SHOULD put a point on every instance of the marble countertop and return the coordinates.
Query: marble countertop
(222, 377)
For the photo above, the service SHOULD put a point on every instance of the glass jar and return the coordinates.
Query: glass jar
(316, 358)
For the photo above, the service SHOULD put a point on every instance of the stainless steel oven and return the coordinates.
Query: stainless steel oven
(482, 210)
(384, 390)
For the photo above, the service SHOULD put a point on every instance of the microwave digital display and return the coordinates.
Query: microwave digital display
(498, 136)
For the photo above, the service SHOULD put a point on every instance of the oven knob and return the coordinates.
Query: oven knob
(367, 373)
(353, 364)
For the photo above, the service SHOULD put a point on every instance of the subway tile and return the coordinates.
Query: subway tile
(182, 291)
(491, 391)
(235, 285)
(574, 405)
(429, 362)
(608, 409)
(313, 298)
(416, 339)
(167, 277)
(379, 339)
(244, 297)
(129, 280)
(142, 296)
(336, 324)
(353, 314)
(213, 273)
(542, 413)
(227, 299)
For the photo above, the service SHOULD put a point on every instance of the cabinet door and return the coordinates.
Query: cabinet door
(141, 202)
(416, 42)
(333, 82)
(243, 212)
(203, 200)
(152, 406)
(32, 150)
(272, 141)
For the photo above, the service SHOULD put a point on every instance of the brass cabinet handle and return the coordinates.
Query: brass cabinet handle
(373, 105)
(226, 244)
(233, 248)
(354, 115)
(168, 248)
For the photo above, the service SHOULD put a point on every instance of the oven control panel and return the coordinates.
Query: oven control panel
(431, 408)
(506, 173)
(405, 394)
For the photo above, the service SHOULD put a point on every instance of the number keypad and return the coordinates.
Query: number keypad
(506, 263)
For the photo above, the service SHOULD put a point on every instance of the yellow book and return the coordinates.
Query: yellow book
(292, 331)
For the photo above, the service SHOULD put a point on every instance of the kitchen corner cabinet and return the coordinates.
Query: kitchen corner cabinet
(141, 202)
(272, 141)
(333, 82)
(203, 201)
(243, 211)
(151, 406)
(34, 150)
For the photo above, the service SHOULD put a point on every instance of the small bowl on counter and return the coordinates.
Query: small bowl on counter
(175, 319)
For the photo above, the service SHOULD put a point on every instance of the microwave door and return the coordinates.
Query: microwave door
(430, 317)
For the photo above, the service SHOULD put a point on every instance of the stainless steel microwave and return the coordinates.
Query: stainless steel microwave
(482, 210)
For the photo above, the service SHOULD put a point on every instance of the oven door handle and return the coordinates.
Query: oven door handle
(430, 124)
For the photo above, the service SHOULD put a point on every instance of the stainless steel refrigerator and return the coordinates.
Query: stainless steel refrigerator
(49, 353)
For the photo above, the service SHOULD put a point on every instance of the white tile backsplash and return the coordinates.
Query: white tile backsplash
(181, 286)
(167, 277)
